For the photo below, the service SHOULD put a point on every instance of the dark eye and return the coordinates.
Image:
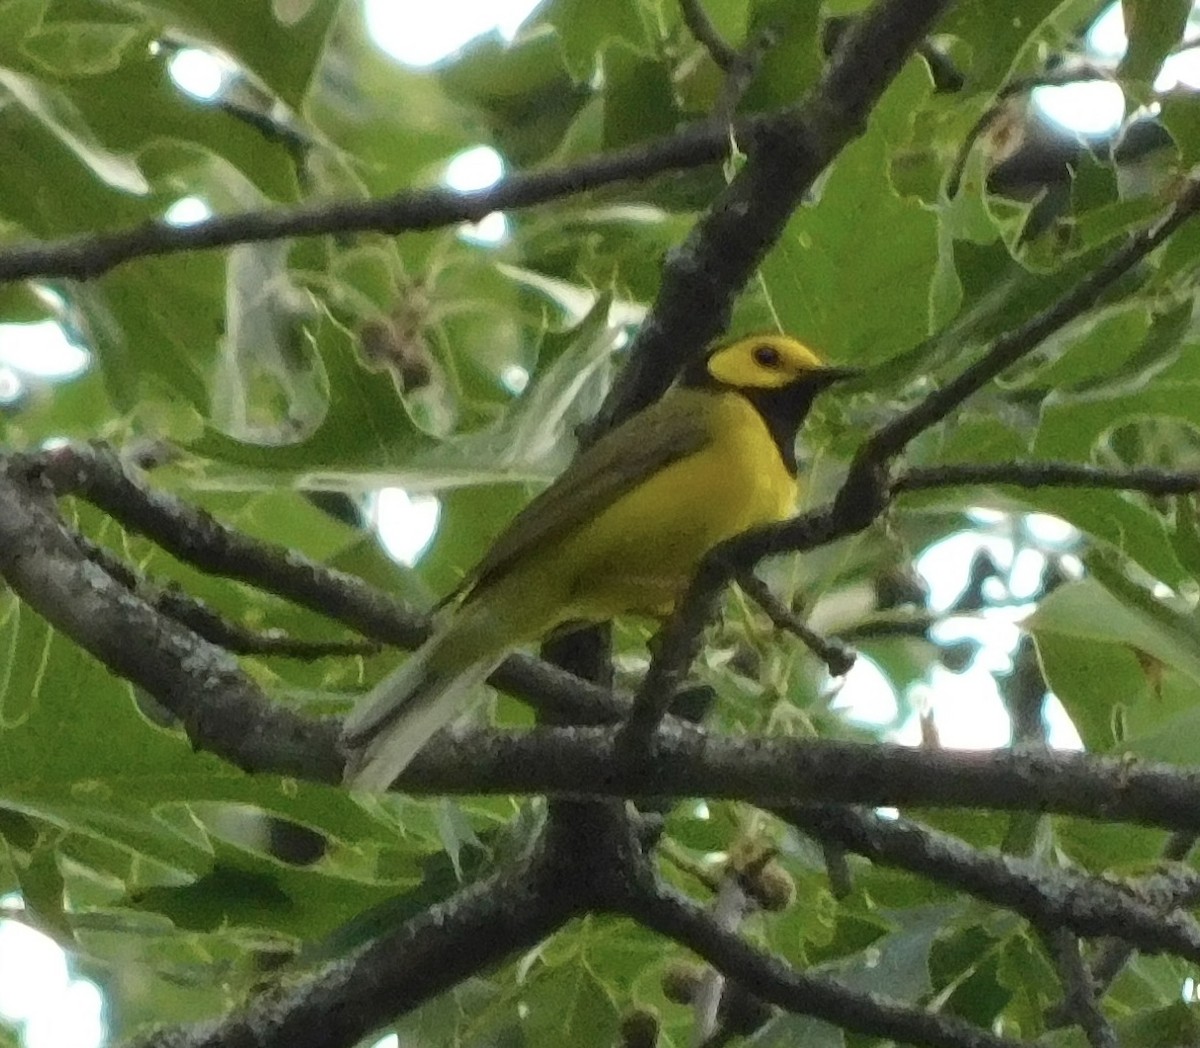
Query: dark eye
(766, 356)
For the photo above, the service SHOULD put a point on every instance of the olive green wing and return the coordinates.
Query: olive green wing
(662, 434)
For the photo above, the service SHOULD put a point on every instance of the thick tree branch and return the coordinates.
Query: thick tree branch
(225, 712)
(774, 771)
(96, 474)
(201, 684)
(1088, 906)
(343, 1001)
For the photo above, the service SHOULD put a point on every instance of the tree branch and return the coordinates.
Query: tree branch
(1079, 996)
(91, 255)
(1113, 956)
(805, 993)
(1161, 893)
(867, 490)
(1088, 906)
(225, 712)
(341, 1002)
(1146, 479)
(702, 276)
(838, 658)
(774, 771)
(707, 34)
(95, 473)
(193, 613)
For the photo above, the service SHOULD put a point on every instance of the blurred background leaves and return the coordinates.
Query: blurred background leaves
(312, 385)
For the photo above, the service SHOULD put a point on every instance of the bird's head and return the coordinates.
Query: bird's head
(770, 362)
(777, 374)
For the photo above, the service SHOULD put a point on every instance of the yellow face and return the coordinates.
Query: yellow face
(763, 362)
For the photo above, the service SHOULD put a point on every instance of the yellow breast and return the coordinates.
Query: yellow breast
(640, 553)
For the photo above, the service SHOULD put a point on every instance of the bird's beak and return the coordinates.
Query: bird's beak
(828, 376)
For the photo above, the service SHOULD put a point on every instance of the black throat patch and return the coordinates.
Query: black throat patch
(783, 410)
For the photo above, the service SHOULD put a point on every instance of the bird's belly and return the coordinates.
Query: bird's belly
(640, 553)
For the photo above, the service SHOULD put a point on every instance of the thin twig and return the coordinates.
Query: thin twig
(93, 254)
(891, 438)
(695, 17)
(740, 75)
(202, 620)
(1146, 479)
(1079, 996)
(838, 657)
(804, 993)
(728, 909)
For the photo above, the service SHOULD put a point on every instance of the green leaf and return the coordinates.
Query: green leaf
(83, 48)
(793, 61)
(897, 964)
(57, 116)
(1175, 1024)
(568, 1004)
(40, 881)
(786, 1030)
(269, 387)
(1124, 665)
(19, 19)
(1132, 618)
(584, 29)
(1180, 115)
(1071, 424)
(523, 90)
(1001, 37)
(282, 51)
(1096, 346)
(1092, 679)
(1154, 28)
(829, 255)
(248, 891)
(639, 97)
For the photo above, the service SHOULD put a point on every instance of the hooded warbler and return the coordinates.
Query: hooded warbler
(622, 530)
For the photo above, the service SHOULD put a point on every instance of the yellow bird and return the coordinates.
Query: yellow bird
(621, 531)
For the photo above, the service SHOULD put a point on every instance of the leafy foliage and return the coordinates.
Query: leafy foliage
(294, 373)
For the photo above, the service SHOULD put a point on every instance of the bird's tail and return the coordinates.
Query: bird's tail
(385, 731)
